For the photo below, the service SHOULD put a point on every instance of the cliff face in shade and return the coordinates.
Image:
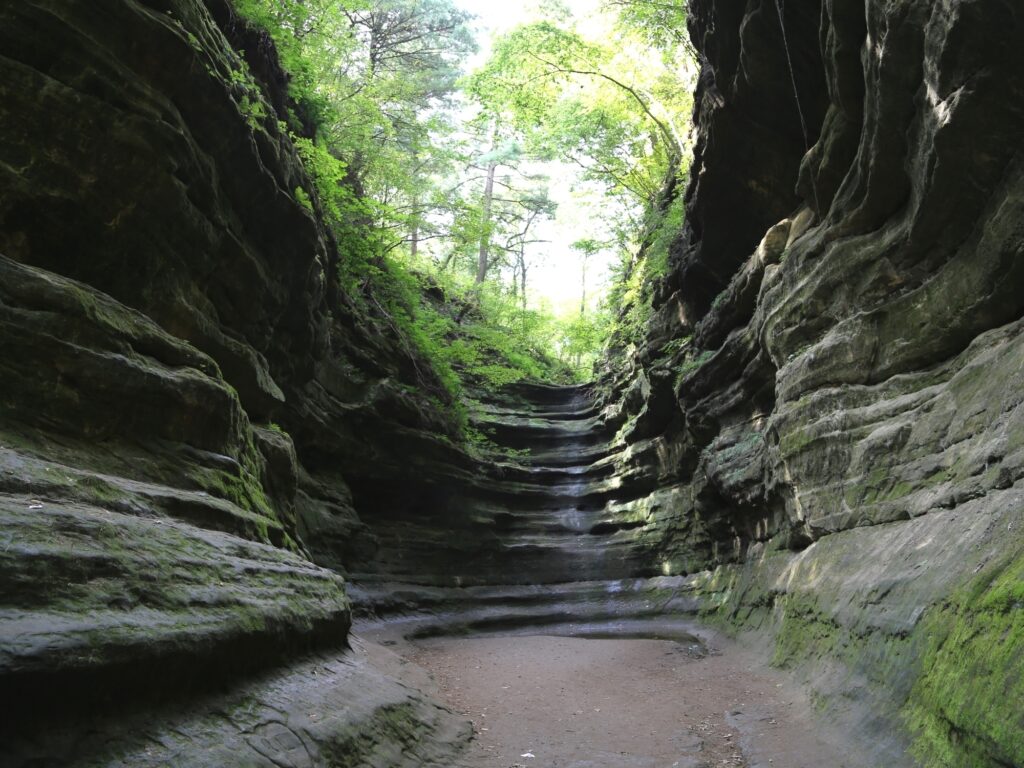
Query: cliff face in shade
(165, 305)
(846, 416)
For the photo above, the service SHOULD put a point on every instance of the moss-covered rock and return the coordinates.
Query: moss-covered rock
(162, 289)
(959, 708)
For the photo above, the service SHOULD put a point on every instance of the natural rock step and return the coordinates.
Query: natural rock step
(538, 395)
(565, 557)
(152, 604)
(524, 502)
(566, 456)
(554, 495)
(597, 522)
(540, 437)
(564, 542)
(500, 413)
(381, 592)
(550, 475)
(436, 610)
(538, 424)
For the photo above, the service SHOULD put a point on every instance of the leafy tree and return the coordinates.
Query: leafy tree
(492, 208)
(429, 195)
(573, 99)
(586, 248)
(379, 77)
(595, 103)
(659, 23)
(581, 341)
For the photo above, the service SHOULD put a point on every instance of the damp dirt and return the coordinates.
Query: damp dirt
(601, 701)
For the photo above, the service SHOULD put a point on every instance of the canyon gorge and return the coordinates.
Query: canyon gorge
(213, 463)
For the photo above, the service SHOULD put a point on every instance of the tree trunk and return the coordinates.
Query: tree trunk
(583, 288)
(522, 274)
(414, 235)
(485, 237)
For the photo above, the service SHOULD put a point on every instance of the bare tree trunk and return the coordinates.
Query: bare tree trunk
(485, 237)
(414, 235)
(522, 274)
(583, 288)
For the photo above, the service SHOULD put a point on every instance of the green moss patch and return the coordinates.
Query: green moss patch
(804, 633)
(965, 710)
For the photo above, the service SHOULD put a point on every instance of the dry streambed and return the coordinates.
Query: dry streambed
(571, 702)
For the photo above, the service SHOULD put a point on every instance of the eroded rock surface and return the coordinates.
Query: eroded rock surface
(822, 439)
(181, 386)
(845, 417)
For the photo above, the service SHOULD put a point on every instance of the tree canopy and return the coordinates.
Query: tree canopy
(441, 179)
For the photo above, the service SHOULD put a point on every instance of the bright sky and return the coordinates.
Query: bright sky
(554, 270)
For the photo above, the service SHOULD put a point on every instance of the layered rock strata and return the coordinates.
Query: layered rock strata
(845, 411)
(168, 315)
(821, 439)
(559, 532)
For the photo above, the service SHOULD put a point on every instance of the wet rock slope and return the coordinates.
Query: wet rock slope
(559, 532)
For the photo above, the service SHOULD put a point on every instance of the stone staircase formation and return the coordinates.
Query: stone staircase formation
(566, 559)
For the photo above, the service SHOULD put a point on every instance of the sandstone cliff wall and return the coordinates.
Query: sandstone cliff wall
(185, 396)
(844, 421)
